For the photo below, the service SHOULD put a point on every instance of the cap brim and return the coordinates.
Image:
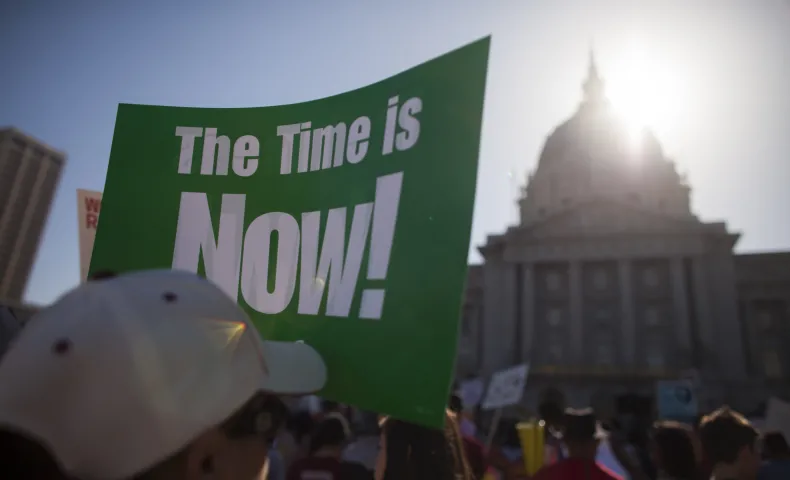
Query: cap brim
(294, 368)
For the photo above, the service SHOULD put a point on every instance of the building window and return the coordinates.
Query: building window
(553, 281)
(602, 315)
(604, 350)
(554, 317)
(772, 365)
(655, 355)
(604, 355)
(652, 317)
(555, 352)
(600, 279)
(655, 359)
(765, 320)
(651, 277)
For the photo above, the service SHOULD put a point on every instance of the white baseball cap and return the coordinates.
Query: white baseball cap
(120, 374)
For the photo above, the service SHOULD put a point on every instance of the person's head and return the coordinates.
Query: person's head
(672, 450)
(580, 433)
(775, 446)
(300, 425)
(455, 404)
(466, 426)
(551, 413)
(328, 406)
(367, 424)
(729, 442)
(155, 374)
(331, 436)
(412, 452)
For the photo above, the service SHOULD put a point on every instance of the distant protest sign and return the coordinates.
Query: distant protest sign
(343, 222)
(88, 207)
(506, 387)
(677, 400)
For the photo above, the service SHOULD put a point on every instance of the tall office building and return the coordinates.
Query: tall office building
(29, 174)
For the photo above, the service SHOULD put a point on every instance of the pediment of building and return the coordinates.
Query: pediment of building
(605, 217)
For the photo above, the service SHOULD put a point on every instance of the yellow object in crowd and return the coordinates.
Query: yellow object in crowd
(532, 439)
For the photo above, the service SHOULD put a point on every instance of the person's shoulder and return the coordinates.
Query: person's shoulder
(606, 474)
(776, 469)
(473, 444)
(306, 463)
(354, 471)
(548, 471)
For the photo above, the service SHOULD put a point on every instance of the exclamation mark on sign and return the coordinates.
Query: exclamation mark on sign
(385, 215)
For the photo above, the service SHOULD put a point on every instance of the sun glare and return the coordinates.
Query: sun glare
(644, 93)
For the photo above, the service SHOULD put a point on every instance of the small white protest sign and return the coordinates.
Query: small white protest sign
(506, 387)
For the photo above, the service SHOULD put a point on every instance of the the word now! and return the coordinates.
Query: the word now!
(236, 258)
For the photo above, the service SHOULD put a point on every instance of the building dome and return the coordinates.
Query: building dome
(596, 133)
(594, 154)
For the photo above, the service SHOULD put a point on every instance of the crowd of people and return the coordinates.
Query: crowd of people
(360, 445)
(156, 375)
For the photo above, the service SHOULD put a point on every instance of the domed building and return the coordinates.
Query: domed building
(610, 282)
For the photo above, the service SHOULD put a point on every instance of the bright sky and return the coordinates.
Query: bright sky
(713, 78)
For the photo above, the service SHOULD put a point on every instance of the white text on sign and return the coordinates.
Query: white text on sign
(316, 148)
(323, 269)
(333, 261)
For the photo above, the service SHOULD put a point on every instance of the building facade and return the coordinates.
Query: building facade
(29, 175)
(610, 282)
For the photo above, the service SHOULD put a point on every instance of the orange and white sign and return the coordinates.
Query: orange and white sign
(88, 208)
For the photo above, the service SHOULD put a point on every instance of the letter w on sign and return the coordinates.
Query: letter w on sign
(88, 208)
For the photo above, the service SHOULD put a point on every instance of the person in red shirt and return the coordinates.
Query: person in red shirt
(579, 433)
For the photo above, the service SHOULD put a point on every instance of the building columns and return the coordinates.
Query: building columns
(499, 320)
(628, 337)
(702, 305)
(680, 304)
(576, 320)
(527, 312)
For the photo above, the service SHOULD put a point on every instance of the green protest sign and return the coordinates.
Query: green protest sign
(343, 222)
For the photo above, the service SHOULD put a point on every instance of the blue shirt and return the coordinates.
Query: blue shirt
(774, 470)
(276, 466)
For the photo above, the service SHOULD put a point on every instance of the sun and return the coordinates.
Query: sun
(644, 93)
